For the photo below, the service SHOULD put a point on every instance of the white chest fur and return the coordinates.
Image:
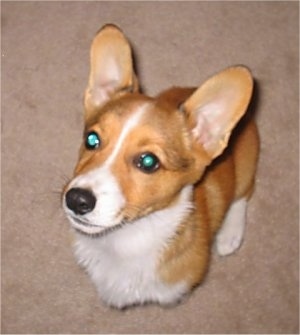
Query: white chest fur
(123, 263)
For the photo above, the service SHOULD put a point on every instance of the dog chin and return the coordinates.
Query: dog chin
(86, 228)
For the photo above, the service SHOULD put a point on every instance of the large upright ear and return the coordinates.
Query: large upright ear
(214, 108)
(111, 67)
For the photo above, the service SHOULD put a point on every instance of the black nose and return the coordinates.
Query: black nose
(80, 200)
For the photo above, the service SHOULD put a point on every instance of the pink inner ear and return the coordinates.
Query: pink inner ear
(98, 96)
(107, 87)
(105, 79)
(201, 131)
(211, 120)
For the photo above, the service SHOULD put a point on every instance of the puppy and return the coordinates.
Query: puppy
(155, 182)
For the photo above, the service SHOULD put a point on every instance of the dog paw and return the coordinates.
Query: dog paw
(230, 236)
(226, 245)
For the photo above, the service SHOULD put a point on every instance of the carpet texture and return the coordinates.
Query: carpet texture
(45, 53)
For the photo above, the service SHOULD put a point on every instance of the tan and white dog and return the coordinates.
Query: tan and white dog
(154, 184)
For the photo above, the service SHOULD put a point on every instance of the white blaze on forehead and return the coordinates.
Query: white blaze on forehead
(129, 125)
(110, 199)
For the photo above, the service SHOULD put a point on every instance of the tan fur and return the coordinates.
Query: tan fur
(229, 177)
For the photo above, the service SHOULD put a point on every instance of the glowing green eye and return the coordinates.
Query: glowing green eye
(92, 140)
(147, 162)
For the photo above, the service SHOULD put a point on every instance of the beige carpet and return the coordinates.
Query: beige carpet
(44, 53)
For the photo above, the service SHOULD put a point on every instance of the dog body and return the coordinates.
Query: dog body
(155, 179)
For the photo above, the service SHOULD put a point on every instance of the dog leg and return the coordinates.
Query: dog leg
(230, 236)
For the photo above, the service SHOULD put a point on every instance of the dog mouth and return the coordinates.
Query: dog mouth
(84, 226)
(82, 221)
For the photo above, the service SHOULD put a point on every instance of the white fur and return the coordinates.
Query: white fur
(104, 185)
(230, 236)
(123, 262)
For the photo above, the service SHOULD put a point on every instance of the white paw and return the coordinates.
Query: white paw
(230, 236)
(226, 245)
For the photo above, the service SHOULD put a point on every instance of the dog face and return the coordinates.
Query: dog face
(127, 159)
(138, 153)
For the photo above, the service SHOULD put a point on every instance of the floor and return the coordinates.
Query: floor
(45, 50)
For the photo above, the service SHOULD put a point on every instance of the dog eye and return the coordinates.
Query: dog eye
(147, 162)
(92, 140)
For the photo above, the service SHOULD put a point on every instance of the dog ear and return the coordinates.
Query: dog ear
(111, 67)
(214, 108)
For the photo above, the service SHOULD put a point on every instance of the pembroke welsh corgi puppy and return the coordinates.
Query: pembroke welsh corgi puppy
(155, 182)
